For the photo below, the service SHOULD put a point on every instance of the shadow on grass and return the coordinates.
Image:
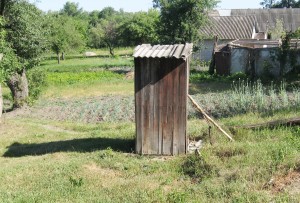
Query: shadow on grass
(76, 145)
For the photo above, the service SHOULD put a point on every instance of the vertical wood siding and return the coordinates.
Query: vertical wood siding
(161, 86)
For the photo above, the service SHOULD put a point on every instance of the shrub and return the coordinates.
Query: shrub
(36, 80)
(197, 168)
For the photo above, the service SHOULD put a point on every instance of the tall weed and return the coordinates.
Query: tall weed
(246, 96)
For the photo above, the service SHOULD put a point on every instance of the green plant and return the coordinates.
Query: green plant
(37, 82)
(76, 182)
(177, 197)
(107, 154)
(69, 78)
(197, 168)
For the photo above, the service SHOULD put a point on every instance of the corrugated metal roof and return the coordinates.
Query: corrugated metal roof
(163, 51)
(230, 27)
(266, 18)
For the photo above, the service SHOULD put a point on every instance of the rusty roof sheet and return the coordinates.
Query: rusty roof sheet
(254, 43)
(179, 51)
(230, 27)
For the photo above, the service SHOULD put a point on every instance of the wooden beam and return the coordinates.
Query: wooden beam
(272, 124)
(209, 118)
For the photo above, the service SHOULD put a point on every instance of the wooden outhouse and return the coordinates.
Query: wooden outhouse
(161, 88)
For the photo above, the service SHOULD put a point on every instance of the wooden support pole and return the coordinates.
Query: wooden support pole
(272, 124)
(209, 118)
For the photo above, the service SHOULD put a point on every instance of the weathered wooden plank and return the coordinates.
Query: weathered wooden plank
(161, 103)
(146, 108)
(153, 148)
(168, 123)
(164, 101)
(171, 104)
(156, 101)
(138, 97)
(176, 112)
(182, 107)
(160, 91)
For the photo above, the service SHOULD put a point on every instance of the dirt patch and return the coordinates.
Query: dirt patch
(130, 75)
(93, 169)
(17, 112)
(289, 183)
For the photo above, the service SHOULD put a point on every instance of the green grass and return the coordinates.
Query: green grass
(103, 52)
(89, 89)
(76, 143)
(86, 64)
(69, 78)
(51, 161)
(88, 77)
(118, 51)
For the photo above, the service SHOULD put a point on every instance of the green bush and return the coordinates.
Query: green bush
(36, 82)
(197, 168)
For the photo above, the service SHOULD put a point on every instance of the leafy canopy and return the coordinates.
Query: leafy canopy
(181, 19)
(280, 4)
(24, 38)
(71, 9)
(140, 28)
(67, 33)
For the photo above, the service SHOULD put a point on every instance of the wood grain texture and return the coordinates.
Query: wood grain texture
(161, 86)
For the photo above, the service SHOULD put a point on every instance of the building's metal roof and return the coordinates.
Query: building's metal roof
(179, 51)
(239, 23)
(266, 18)
(230, 27)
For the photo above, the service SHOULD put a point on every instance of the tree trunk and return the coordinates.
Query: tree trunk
(58, 58)
(63, 56)
(1, 101)
(18, 84)
(111, 49)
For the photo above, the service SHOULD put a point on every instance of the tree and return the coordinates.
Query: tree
(106, 31)
(296, 34)
(67, 33)
(107, 13)
(280, 4)
(4, 4)
(71, 9)
(140, 28)
(285, 4)
(267, 3)
(278, 31)
(108, 34)
(93, 18)
(23, 44)
(2, 35)
(181, 19)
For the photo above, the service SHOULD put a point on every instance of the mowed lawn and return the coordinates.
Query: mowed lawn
(76, 144)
